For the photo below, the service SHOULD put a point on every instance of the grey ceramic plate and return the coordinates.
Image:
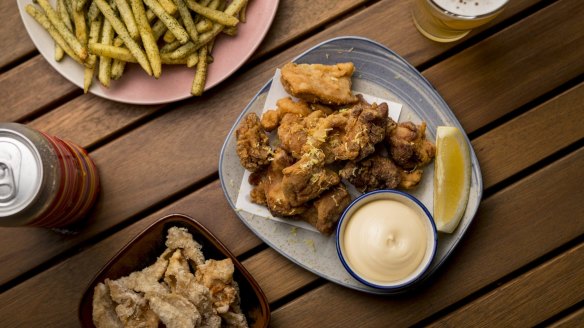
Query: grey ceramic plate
(378, 72)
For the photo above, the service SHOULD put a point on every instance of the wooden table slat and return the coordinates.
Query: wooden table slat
(15, 41)
(575, 319)
(529, 299)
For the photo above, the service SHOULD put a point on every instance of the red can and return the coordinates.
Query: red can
(44, 181)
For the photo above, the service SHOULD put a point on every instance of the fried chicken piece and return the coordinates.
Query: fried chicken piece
(174, 310)
(180, 238)
(293, 131)
(372, 173)
(271, 119)
(327, 84)
(308, 178)
(410, 179)
(104, 313)
(353, 134)
(253, 145)
(132, 308)
(218, 277)
(269, 190)
(327, 209)
(408, 145)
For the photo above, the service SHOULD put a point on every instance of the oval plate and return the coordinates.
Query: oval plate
(136, 87)
(379, 72)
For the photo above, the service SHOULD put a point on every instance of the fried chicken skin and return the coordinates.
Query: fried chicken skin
(294, 130)
(378, 172)
(326, 210)
(327, 84)
(307, 179)
(269, 188)
(271, 119)
(372, 173)
(353, 134)
(253, 145)
(408, 145)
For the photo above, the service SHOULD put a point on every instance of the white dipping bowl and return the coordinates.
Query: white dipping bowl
(389, 245)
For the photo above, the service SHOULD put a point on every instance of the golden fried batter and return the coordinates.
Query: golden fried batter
(253, 145)
(269, 191)
(327, 84)
(218, 277)
(408, 145)
(104, 313)
(271, 119)
(372, 173)
(326, 211)
(308, 178)
(293, 131)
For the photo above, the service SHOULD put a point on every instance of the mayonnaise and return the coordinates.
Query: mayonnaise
(385, 241)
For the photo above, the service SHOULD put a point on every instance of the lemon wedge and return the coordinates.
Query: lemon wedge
(451, 178)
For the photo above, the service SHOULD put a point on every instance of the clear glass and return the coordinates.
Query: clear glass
(439, 24)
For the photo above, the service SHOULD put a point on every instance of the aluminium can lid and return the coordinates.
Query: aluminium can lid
(21, 173)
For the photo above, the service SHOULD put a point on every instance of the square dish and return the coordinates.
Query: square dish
(150, 243)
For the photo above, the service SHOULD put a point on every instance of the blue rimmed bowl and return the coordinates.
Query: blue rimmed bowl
(376, 244)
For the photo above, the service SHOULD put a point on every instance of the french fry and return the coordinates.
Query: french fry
(148, 39)
(64, 13)
(93, 11)
(204, 25)
(192, 59)
(158, 29)
(118, 67)
(59, 53)
(183, 51)
(80, 26)
(168, 37)
(112, 52)
(44, 21)
(94, 30)
(214, 15)
(171, 23)
(187, 19)
(128, 18)
(105, 62)
(67, 35)
(123, 33)
(80, 4)
(242, 16)
(168, 6)
(201, 74)
(170, 47)
(124, 54)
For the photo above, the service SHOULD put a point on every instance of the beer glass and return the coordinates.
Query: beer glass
(451, 20)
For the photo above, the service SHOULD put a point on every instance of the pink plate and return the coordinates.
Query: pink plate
(136, 87)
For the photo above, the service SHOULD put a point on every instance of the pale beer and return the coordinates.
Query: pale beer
(451, 20)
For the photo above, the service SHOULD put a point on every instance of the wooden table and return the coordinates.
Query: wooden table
(516, 86)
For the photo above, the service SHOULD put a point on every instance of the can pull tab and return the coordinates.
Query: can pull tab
(7, 183)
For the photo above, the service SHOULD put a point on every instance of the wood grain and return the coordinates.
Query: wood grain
(575, 319)
(15, 40)
(401, 37)
(507, 70)
(512, 228)
(503, 150)
(295, 19)
(31, 87)
(529, 299)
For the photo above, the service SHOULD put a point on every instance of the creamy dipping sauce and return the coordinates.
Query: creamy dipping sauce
(385, 241)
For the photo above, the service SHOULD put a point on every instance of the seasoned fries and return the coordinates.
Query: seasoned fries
(104, 35)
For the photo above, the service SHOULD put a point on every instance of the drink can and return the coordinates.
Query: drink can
(44, 181)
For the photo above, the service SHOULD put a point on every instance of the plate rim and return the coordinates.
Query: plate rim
(96, 90)
(474, 161)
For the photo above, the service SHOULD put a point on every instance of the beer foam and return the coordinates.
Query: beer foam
(470, 7)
